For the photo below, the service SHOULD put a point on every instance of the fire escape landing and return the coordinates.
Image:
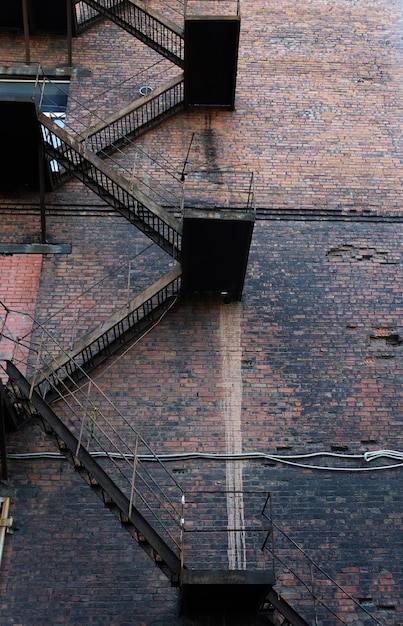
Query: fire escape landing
(215, 250)
(211, 58)
(224, 590)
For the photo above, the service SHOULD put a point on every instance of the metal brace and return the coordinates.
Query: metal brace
(8, 523)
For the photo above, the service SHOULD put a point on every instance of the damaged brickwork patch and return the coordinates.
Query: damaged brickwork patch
(382, 344)
(350, 253)
(382, 359)
(383, 336)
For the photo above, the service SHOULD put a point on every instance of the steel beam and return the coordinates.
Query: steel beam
(285, 609)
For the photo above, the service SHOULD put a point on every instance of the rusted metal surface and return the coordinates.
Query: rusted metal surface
(99, 480)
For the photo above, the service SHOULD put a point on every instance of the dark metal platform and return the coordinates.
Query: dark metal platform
(45, 15)
(211, 59)
(20, 134)
(224, 590)
(215, 250)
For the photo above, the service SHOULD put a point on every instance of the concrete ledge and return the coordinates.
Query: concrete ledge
(35, 248)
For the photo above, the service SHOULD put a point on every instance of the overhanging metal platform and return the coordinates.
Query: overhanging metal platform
(224, 590)
(211, 59)
(215, 251)
(46, 15)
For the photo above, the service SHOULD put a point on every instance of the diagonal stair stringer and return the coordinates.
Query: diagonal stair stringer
(148, 26)
(129, 322)
(280, 606)
(101, 483)
(122, 195)
(137, 118)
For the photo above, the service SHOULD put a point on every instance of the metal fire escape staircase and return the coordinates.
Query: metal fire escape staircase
(84, 159)
(23, 401)
(126, 325)
(150, 27)
(27, 400)
(129, 123)
(122, 195)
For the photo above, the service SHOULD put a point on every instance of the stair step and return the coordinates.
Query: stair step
(116, 190)
(104, 486)
(149, 26)
(129, 322)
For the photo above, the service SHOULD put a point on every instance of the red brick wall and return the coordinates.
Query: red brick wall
(304, 364)
(20, 275)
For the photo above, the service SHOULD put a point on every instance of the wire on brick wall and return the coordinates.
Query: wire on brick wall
(247, 456)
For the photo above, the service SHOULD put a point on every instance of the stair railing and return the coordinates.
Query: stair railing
(94, 340)
(208, 530)
(307, 585)
(148, 25)
(120, 94)
(137, 118)
(111, 437)
(86, 16)
(116, 190)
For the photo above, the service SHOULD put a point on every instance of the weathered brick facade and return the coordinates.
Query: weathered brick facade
(310, 361)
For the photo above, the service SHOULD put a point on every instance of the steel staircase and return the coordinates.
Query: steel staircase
(279, 609)
(113, 188)
(86, 16)
(130, 322)
(83, 158)
(165, 554)
(148, 26)
(136, 119)
(98, 479)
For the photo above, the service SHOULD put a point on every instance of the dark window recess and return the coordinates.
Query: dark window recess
(21, 131)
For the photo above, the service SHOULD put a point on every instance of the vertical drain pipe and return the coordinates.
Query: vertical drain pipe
(26, 30)
(69, 18)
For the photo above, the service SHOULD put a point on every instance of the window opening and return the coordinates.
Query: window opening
(50, 96)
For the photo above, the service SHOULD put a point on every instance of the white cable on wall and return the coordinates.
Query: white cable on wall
(292, 460)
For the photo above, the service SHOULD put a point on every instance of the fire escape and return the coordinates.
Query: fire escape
(206, 49)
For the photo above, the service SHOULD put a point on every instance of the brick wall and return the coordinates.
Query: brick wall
(310, 361)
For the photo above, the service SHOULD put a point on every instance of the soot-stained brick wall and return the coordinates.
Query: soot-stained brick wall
(309, 362)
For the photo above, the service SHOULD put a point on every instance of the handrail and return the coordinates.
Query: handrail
(112, 331)
(150, 27)
(156, 531)
(86, 16)
(312, 599)
(205, 535)
(99, 426)
(112, 187)
(137, 117)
